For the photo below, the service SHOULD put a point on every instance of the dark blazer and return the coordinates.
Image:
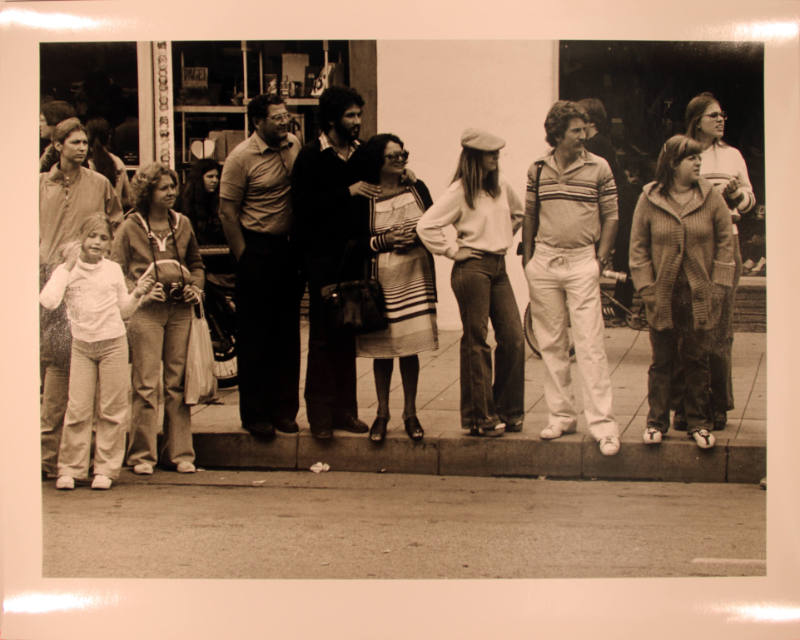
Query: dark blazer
(330, 234)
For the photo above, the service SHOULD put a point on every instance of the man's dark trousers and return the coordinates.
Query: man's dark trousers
(330, 391)
(268, 292)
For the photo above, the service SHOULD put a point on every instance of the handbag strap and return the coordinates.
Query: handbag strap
(537, 201)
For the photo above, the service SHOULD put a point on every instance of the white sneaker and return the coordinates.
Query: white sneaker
(143, 469)
(186, 467)
(652, 435)
(551, 431)
(101, 482)
(65, 482)
(609, 446)
(703, 437)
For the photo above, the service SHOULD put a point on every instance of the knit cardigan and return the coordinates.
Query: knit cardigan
(699, 240)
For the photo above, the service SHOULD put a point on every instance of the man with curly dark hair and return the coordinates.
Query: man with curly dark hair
(333, 242)
(571, 212)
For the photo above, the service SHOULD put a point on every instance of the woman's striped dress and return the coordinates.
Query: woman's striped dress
(408, 283)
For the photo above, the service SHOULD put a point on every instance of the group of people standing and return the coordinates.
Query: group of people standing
(338, 209)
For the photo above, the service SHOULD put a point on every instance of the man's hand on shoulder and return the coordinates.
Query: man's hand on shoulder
(366, 189)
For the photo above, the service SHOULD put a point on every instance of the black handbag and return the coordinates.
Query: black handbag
(354, 306)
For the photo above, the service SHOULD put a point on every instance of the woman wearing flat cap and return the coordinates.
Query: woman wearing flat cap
(486, 213)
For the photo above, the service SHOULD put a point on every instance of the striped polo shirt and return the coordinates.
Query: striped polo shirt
(573, 202)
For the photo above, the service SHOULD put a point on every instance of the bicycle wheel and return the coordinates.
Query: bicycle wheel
(530, 338)
(636, 319)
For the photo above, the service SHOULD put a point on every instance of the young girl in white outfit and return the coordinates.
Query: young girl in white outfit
(97, 301)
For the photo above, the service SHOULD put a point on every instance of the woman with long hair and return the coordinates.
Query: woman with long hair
(199, 201)
(100, 159)
(724, 167)
(404, 268)
(486, 213)
(155, 239)
(681, 259)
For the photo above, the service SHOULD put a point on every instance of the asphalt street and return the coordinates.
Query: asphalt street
(261, 525)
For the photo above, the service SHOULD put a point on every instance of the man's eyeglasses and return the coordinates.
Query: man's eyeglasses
(281, 117)
(397, 156)
(716, 115)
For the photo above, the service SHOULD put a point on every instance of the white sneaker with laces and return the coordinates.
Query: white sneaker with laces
(704, 438)
(652, 435)
(609, 445)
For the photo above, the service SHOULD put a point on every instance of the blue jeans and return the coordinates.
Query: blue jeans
(483, 292)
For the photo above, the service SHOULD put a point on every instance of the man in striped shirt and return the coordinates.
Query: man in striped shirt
(571, 213)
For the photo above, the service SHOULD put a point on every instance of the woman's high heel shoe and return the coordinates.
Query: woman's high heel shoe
(377, 432)
(414, 428)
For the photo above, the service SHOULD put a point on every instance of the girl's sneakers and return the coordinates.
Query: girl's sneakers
(101, 482)
(65, 482)
(703, 437)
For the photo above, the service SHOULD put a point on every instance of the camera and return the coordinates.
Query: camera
(175, 292)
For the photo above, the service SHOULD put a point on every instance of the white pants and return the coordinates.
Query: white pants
(103, 366)
(565, 289)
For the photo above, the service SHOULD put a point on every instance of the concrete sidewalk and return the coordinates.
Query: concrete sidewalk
(739, 455)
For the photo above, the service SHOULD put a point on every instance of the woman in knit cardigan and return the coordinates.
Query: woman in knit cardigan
(681, 259)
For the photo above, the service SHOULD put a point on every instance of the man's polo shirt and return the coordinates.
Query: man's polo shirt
(256, 177)
(573, 202)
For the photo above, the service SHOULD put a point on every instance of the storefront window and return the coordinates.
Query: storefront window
(99, 79)
(645, 87)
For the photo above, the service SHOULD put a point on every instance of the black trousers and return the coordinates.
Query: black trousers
(268, 292)
(330, 391)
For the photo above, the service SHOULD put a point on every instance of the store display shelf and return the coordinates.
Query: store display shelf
(205, 108)
(211, 108)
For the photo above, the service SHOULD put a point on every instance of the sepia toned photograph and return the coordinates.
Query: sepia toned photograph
(401, 321)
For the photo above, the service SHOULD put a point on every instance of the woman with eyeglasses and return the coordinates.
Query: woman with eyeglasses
(404, 268)
(681, 259)
(485, 213)
(724, 167)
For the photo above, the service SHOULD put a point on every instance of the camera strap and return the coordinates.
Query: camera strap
(151, 240)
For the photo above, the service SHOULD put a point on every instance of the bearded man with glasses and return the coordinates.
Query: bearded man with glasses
(256, 214)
